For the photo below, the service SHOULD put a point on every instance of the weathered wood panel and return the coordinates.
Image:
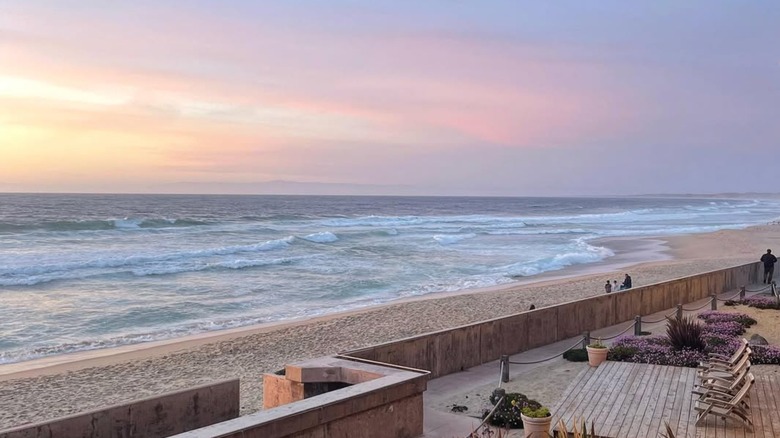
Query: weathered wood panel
(514, 334)
(454, 350)
(543, 327)
(571, 318)
(491, 340)
(152, 417)
(628, 304)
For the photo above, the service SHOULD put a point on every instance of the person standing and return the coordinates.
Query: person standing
(769, 261)
(608, 287)
(626, 283)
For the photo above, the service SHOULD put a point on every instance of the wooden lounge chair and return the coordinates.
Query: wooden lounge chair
(727, 372)
(721, 385)
(734, 408)
(719, 363)
(734, 357)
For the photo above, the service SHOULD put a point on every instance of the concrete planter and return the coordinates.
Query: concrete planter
(596, 355)
(536, 427)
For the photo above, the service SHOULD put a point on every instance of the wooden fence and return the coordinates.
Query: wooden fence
(452, 350)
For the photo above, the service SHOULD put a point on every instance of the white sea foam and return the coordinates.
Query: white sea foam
(321, 237)
(449, 239)
(128, 223)
(579, 253)
(532, 231)
(230, 264)
(46, 272)
(410, 221)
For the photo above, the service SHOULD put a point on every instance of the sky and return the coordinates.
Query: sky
(506, 98)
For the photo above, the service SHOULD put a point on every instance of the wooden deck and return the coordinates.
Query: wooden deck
(628, 400)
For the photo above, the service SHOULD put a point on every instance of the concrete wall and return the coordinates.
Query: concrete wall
(153, 417)
(388, 405)
(449, 351)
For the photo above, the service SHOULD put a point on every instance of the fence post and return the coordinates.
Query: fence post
(679, 311)
(742, 293)
(504, 368)
(585, 339)
(498, 393)
(714, 302)
(637, 325)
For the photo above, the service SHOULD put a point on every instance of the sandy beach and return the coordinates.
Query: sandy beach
(53, 387)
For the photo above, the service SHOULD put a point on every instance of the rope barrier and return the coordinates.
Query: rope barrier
(728, 299)
(698, 308)
(752, 293)
(487, 417)
(579, 341)
(619, 334)
(759, 290)
(662, 319)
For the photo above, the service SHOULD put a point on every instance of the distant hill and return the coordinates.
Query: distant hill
(286, 188)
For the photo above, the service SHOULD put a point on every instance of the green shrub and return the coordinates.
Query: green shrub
(621, 353)
(576, 355)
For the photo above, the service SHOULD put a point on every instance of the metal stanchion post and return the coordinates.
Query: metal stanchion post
(742, 293)
(679, 311)
(714, 302)
(585, 339)
(504, 368)
(637, 325)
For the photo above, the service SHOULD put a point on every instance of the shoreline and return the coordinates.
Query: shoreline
(650, 250)
(65, 385)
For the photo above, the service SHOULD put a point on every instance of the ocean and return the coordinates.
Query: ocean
(81, 272)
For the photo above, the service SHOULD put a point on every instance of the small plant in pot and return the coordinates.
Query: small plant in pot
(536, 421)
(515, 410)
(597, 353)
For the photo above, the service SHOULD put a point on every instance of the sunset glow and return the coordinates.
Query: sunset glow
(141, 97)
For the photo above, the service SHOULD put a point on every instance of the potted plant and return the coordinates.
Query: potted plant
(536, 421)
(597, 353)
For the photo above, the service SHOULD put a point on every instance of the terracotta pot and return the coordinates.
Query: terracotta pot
(536, 427)
(596, 355)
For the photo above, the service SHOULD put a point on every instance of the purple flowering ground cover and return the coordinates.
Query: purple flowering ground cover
(721, 334)
(759, 302)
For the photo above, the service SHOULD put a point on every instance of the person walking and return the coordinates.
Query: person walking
(608, 287)
(769, 261)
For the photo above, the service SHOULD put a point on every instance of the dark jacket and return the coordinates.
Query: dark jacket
(769, 260)
(626, 283)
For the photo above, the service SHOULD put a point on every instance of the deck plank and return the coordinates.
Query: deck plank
(644, 395)
(769, 409)
(617, 393)
(570, 395)
(670, 377)
(573, 401)
(587, 394)
(628, 410)
(600, 412)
